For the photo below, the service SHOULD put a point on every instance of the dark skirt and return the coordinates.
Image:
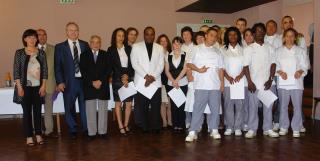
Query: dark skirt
(115, 87)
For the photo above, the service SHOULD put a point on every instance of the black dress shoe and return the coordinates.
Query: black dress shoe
(90, 138)
(51, 135)
(73, 135)
(103, 136)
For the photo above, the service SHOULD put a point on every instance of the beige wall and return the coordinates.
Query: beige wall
(102, 16)
(93, 16)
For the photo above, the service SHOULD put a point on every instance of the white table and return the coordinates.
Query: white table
(8, 107)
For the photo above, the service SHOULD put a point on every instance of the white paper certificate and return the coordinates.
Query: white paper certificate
(267, 97)
(177, 96)
(289, 81)
(125, 92)
(237, 90)
(146, 91)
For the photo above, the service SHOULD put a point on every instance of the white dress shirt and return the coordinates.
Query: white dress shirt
(176, 62)
(274, 40)
(44, 47)
(123, 57)
(70, 42)
(210, 57)
(259, 59)
(233, 59)
(290, 61)
(188, 50)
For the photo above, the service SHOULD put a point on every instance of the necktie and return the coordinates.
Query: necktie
(95, 56)
(75, 58)
(42, 47)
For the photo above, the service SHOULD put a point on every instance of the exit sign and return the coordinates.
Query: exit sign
(67, 1)
(207, 21)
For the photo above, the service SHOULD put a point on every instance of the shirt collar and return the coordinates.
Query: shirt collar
(71, 41)
(97, 52)
(44, 46)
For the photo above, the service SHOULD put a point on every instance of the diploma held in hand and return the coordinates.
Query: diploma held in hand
(146, 91)
(177, 96)
(267, 97)
(125, 92)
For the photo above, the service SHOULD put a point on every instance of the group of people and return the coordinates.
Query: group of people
(206, 65)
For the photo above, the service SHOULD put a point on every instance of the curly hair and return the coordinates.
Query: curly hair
(226, 36)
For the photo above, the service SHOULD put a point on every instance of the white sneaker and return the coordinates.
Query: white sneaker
(272, 134)
(265, 133)
(245, 127)
(215, 134)
(296, 134)
(228, 132)
(303, 129)
(283, 132)
(238, 132)
(276, 126)
(191, 136)
(250, 134)
(187, 125)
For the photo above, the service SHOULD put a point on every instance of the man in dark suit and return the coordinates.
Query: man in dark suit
(68, 76)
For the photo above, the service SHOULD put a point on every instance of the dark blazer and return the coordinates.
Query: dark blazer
(92, 71)
(117, 69)
(63, 63)
(20, 67)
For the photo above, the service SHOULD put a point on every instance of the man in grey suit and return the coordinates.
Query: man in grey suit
(50, 85)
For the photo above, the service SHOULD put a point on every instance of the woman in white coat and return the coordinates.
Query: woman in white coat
(292, 66)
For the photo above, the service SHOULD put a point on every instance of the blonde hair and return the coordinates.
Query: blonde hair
(95, 36)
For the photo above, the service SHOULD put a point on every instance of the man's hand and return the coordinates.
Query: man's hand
(268, 84)
(149, 79)
(230, 79)
(96, 84)
(251, 87)
(238, 78)
(61, 87)
(20, 92)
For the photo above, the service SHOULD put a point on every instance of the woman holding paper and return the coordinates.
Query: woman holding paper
(292, 66)
(122, 75)
(175, 69)
(165, 110)
(234, 82)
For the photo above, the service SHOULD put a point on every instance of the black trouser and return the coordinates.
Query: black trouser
(178, 114)
(141, 110)
(31, 103)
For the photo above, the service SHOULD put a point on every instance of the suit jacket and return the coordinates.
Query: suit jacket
(92, 71)
(117, 69)
(51, 81)
(63, 63)
(143, 66)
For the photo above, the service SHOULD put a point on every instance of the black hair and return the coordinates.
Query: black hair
(177, 39)
(148, 28)
(243, 20)
(245, 31)
(167, 39)
(29, 32)
(258, 25)
(199, 33)
(114, 36)
(132, 29)
(226, 36)
(187, 29)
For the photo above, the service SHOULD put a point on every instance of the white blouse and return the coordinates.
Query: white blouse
(233, 59)
(290, 61)
(123, 57)
(176, 61)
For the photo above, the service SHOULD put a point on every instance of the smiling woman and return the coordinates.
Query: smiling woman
(30, 74)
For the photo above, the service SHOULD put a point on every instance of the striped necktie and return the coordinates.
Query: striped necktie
(76, 58)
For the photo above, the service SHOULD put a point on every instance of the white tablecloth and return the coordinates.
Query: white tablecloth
(8, 107)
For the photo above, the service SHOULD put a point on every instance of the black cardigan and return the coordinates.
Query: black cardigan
(117, 69)
(20, 67)
(92, 71)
